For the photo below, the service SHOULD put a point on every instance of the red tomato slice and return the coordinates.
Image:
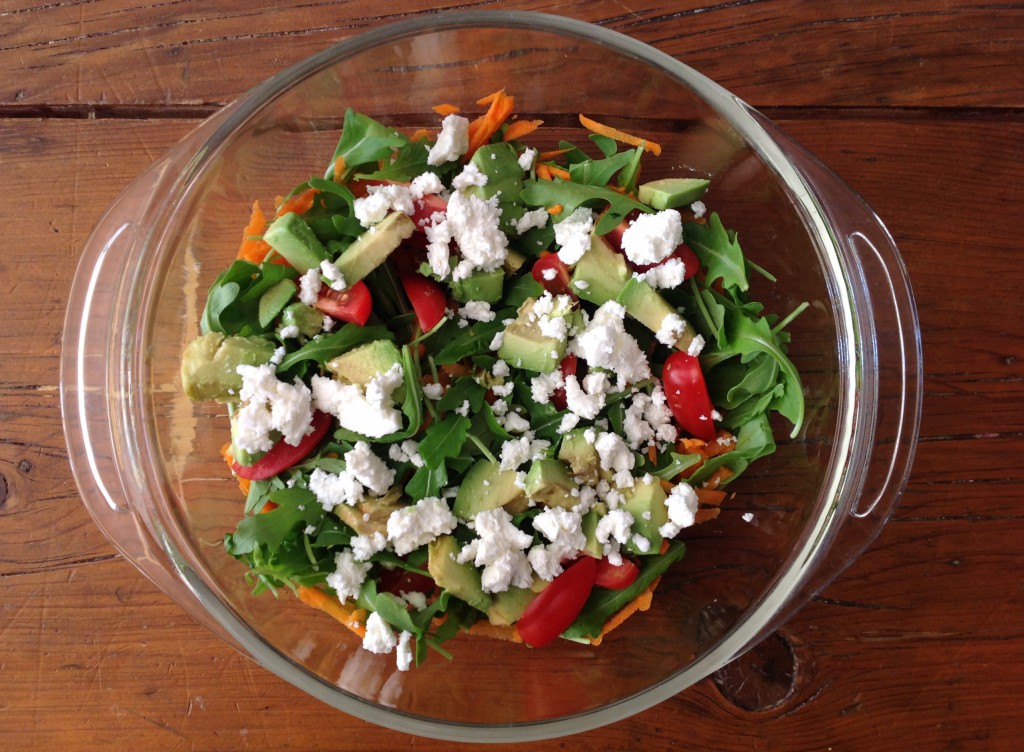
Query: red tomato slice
(425, 208)
(568, 368)
(559, 283)
(688, 395)
(615, 577)
(427, 298)
(397, 581)
(558, 605)
(614, 238)
(283, 455)
(352, 305)
(682, 252)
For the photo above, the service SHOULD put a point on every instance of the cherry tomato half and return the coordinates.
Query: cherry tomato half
(682, 252)
(558, 605)
(616, 577)
(397, 581)
(550, 265)
(352, 305)
(568, 368)
(425, 208)
(283, 455)
(688, 395)
(427, 298)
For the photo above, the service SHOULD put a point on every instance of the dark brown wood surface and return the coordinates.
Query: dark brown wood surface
(918, 105)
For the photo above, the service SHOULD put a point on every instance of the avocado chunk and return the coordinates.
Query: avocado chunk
(461, 580)
(486, 486)
(513, 262)
(209, 365)
(646, 305)
(671, 193)
(602, 271)
(646, 502)
(485, 286)
(549, 482)
(308, 320)
(370, 515)
(593, 547)
(508, 606)
(274, 300)
(290, 236)
(580, 455)
(372, 248)
(361, 364)
(525, 346)
(500, 164)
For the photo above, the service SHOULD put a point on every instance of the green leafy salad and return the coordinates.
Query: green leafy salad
(475, 386)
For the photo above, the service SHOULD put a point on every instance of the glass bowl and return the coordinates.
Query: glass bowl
(146, 458)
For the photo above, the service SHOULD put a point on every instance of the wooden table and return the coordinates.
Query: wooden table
(919, 645)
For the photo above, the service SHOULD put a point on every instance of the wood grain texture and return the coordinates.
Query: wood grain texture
(104, 53)
(919, 645)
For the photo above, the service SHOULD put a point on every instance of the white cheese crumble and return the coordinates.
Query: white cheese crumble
(515, 423)
(696, 346)
(515, 452)
(425, 184)
(407, 451)
(452, 142)
(648, 419)
(747, 516)
(569, 422)
(586, 400)
(354, 411)
(404, 653)
(498, 548)
(379, 637)
(332, 489)
(699, 209)
(473, 224)
(270, 405)
(613, 530)
(381, 386)
(665, 275)
(348, 575)
(416, 525)
(369, 469)
(379, 200)
(365, 546)
(531, 220)
(309, 287)
(671, 329)
(438, 239)
(651, 238)
(433, 391)
(469, 176)
(287, 332)
(478, 310)
(527, 158)
(682, 510)
(573, 235)
(500, 369)
(605, 343)
(615, 457)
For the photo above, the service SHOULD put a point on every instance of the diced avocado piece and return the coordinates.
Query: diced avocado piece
(501, 166)
(486, 286)
(646, 502)
(209, 365)
(361, 364)
(524, 346)
(486, 486)
(593, 547)
(308, 320)
(513, 262)
(602, 271)
(274, 300)
(580, 455)
(646, 305)
(508, 606)
(372, 248)
(461, 580)
(548, 481)
(671, 193)
(371, 515)
(290, 236)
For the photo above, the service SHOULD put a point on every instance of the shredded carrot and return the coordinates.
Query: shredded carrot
(666, 485)
(706, 515)
(300, 203)
(544, 172)
(555, 209)
(445, 109)
(352, 617)
(497, 631)
(709, 496)
(718, 477)
(558, 172)
(422, 134)
(546, 156)
(253, 247)
(652, 453)
(641, 603)
(615, 133)
(489, 98)
(225, 452)
(339, 168)
(485, 126)
(268, 506)
(521, 128)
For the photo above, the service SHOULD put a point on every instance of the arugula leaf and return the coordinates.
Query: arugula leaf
(444, 439)
(295, 506)
(573, 195)
(717, 250)
(603, 603)
(332, 345)
(427, 482)
(677, 464)
(409, 161)
(363, 140)
(465, 388)
(392, 610)
(475, 339)
(607, 145)
(599, 171)
(521, 289)
(753, 440)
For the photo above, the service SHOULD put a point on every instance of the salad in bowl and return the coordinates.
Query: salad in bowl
(479, 382)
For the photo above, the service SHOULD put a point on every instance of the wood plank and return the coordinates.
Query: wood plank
(191, 52)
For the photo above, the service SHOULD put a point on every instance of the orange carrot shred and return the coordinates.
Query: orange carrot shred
(300, 203)
(485, 126)
(546, 156)
(641, 603)
(253, 247)
(352, 617)
(544, 172)
(709, 496)
(490, 97)
(225, 452)
(445, 109)
(422, 134)
(615, 133)
(521, 128)
(339, 168)
(558, 172)
(555, 209)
